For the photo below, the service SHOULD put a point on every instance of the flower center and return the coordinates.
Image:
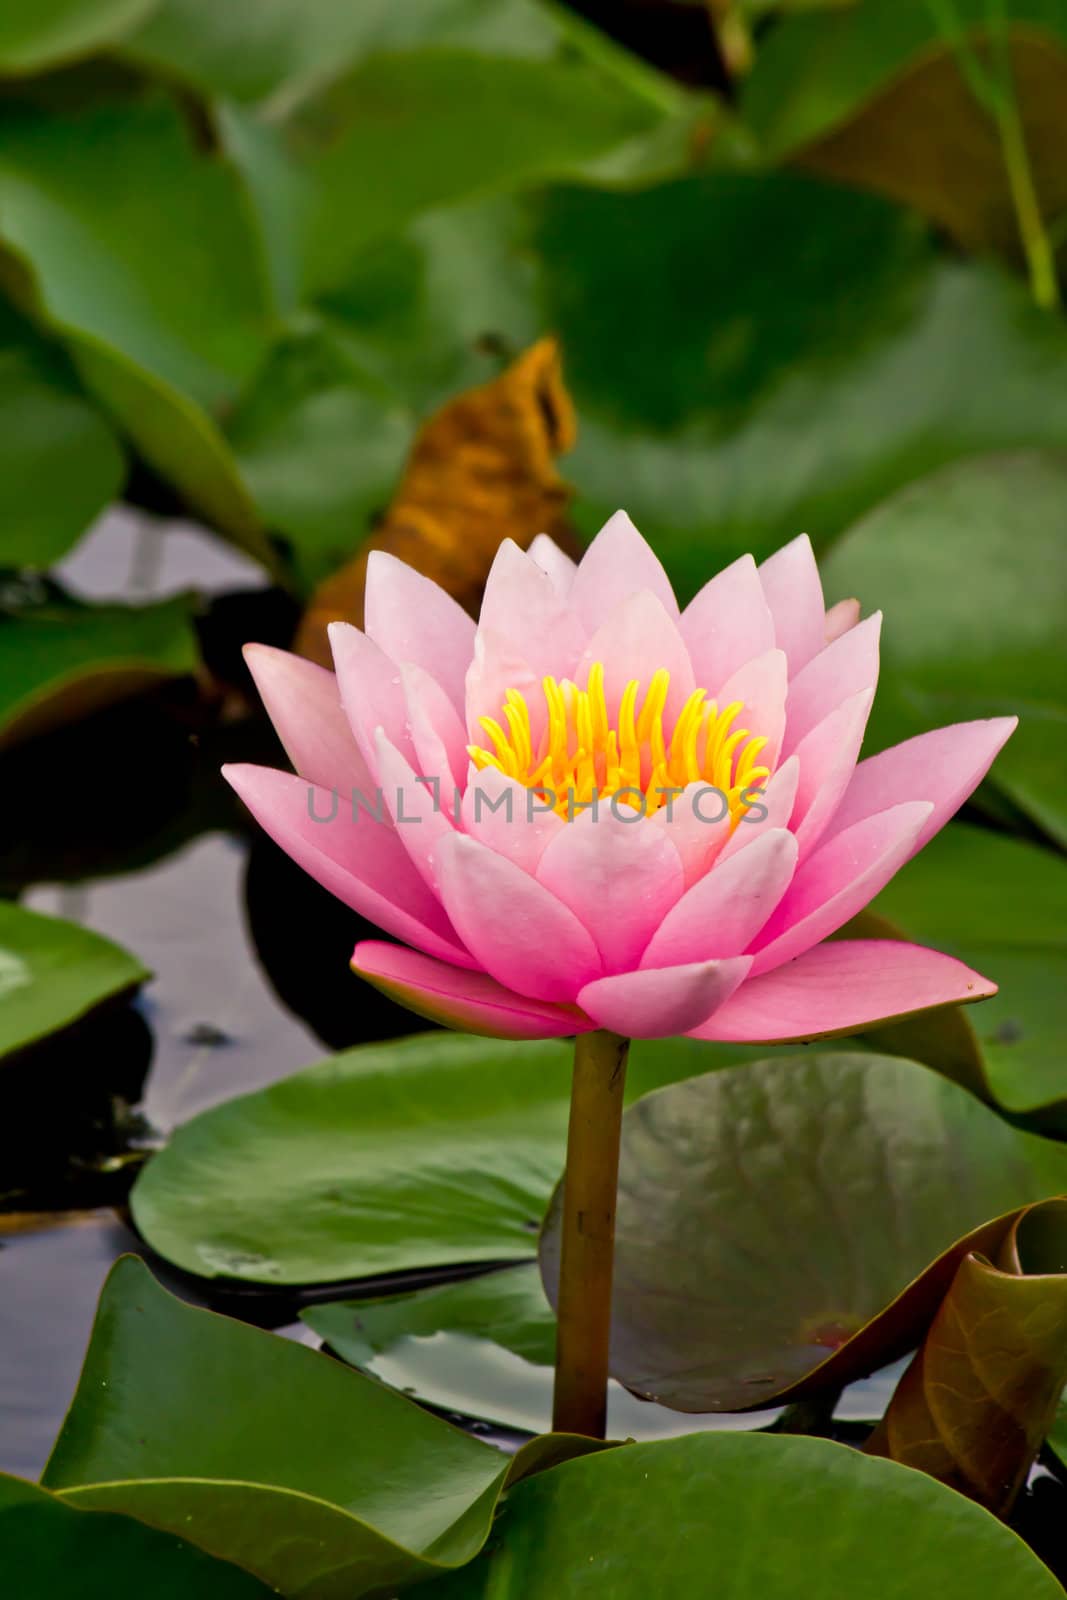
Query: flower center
(580, 754)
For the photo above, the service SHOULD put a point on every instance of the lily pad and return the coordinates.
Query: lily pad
(165, 308)
(1000, 905)
(115, 1557)
(976, 1403)
(59, 660)
(761, 1517)
(484, 1347)
(428, 1151)
(60, 462)
(793, 1224)
(46, 33)
(1001, 521)
(337, 1488)
(52, 973)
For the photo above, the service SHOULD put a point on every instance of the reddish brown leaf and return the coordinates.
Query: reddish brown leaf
(979, 1397)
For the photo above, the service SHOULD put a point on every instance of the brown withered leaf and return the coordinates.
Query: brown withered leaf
(482, 470)
(980, 1395)
(925, 141)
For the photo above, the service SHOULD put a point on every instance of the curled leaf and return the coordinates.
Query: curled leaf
(980, 1395)
(482, 470)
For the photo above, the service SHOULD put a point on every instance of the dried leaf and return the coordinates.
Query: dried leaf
(482, 470)
(980, 1395)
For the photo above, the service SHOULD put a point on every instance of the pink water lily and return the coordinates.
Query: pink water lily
(734, 828)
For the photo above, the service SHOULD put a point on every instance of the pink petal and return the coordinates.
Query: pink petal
(826, 758)
(727, 624)
(833, 676)
(517, 827)
(469, 1001)
(722, 914)
(413, 619)
(793, 591)
(761, 685)
(363, 863)
(371, 691)
(519, 932)
(944, 767)
(438, 737)
(499, 665)
(776, 801)
(619, 563)
(551, 559)
(304, 704)
(692, 822)
(637, 640)
(522, 605)
(839, 880)
(669, 1000)
(840, 618)
(419, 816)
(843, 987)
(619, 878)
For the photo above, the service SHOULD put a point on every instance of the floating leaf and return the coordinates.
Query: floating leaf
(52, 973)
(1001, 521)
(51, 1545)
(482, 470)
(60, 463)
(1000, 904)
(337, 1488)
(793, 1224)
(35, 34)
(427, 1151)
(757, 1516)
(59, 660)
(164, 307)
(977, 1401)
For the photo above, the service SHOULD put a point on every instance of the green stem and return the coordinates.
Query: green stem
(588, 1239)
(1040, 259)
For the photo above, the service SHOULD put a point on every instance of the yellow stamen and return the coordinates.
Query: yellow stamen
(579, 753)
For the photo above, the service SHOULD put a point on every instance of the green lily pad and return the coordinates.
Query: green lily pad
(165, 307)
(60, 660)
(792, 1224)
(52, 973)
(115, 1558)
(857, 364)
(757, 1517)
(423, 1152)
(1001, 906)
(60, 463)
(321, 447)
(1001, 521)
(336, 1488)
(45, 33)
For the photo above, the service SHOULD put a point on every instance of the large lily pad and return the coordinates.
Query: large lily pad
(60, 463)
(114, 1557)
(52, 973)
(977, 1402)
(753, 1516)
(1000, 905)
(793, 1224)
(60, 660)
(1000, 521)
(336, 1488)
(427, 1151)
